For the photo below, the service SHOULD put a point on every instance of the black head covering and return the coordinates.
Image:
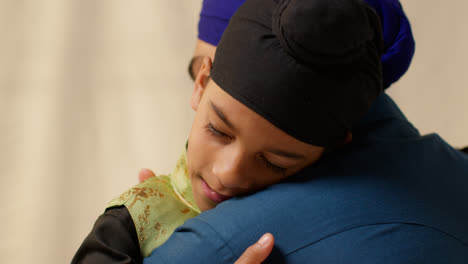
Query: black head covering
(310, 67)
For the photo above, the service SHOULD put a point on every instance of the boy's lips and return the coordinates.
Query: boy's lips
(212, 195)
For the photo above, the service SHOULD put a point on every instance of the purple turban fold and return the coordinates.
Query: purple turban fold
(398, 38)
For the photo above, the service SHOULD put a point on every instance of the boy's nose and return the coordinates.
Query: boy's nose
(230, 170)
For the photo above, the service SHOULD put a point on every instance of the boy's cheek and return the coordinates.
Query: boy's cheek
(196, 157)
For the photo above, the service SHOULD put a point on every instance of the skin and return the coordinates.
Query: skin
(233, 151)
(258, 252)
(202, 49)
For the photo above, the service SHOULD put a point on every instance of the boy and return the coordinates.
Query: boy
(174, 193)
(253, 129)
(236, 147)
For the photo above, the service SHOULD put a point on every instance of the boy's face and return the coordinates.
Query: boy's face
(234, 151)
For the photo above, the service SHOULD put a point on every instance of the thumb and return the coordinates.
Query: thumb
(257, 252)
(145, 174)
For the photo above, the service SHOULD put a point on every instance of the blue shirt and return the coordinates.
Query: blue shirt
(391, 196)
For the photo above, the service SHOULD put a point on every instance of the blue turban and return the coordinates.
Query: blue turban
(398, 38)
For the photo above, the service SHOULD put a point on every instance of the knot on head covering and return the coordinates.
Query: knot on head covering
(347, 33)
(315, 92)
(398, 38)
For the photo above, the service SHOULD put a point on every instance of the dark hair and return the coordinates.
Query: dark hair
(465, 149)
(193, 72)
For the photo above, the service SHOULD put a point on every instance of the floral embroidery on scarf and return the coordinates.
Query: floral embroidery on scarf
(159, 205)
(141, 193)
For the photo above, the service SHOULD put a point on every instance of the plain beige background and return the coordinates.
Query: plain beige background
(92, 91)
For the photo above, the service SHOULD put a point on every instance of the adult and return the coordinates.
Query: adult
(361, 199)
(391, 196)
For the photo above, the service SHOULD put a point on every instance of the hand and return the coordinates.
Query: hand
(259, 251)
(145, 174)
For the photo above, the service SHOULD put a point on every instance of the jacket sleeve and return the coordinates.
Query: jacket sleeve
(197, 242)
(193, 242)
(113, 239)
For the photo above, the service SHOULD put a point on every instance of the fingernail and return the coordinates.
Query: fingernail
(264, 240)
(148, 172)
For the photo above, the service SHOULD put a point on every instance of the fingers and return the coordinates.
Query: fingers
(145, 174)
(259, 251)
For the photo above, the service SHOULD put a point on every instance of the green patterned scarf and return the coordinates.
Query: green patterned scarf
(159, 205)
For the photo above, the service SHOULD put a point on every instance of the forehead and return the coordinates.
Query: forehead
(238, 114)
(248, 126)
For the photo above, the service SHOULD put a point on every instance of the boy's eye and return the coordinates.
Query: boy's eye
(213, 131)
(273, 167)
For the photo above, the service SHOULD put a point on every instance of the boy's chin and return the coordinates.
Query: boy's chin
(201, 202)
(204, 206)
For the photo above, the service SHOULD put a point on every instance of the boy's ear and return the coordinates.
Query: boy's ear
(201, 81)
(349, 138)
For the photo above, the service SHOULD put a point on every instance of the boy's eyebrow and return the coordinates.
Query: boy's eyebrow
(278, 152)
(221, 115)
(286, 154)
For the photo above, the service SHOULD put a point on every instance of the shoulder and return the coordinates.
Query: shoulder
(113, 239)
(199, 241)
(153, 187)
(368, 200)
(349, 214)
(194, 242)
